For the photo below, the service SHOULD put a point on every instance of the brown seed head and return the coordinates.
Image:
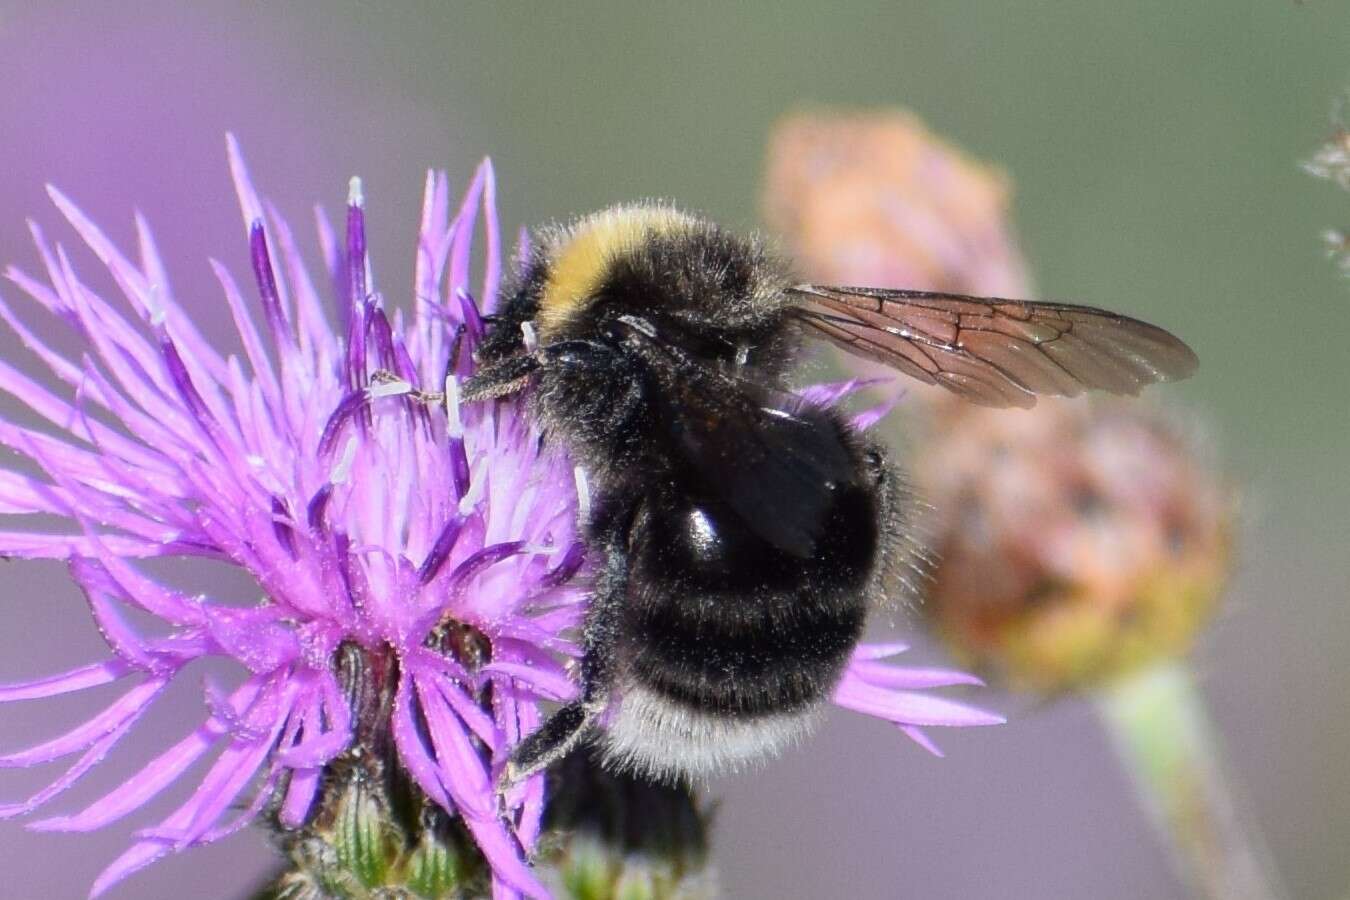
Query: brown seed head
(1077, 541)
(874, 198)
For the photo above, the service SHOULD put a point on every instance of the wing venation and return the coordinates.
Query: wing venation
(994, 351)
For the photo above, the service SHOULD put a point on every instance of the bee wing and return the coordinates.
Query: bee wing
(758, 453)
(741, 441)
(992, 351)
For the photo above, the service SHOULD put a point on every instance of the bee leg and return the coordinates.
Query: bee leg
(556, 738)
(563, 731)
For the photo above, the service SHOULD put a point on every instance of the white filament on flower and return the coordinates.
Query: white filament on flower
(342, 470)
(477, 478)
(454, 423)
(388, 389)
(583, 494)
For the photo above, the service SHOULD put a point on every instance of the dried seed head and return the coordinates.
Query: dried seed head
(1076, 541)
(875, 198)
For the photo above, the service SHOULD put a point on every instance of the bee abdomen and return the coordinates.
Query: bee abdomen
(742, 656)
(651, 735)
(730, 644)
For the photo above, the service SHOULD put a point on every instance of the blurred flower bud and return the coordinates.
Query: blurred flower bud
(874, 198)
(1076, 542)
(613, 837)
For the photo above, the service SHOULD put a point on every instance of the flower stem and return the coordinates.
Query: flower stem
(1160, 727)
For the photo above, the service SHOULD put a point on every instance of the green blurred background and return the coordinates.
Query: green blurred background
(1154, 147)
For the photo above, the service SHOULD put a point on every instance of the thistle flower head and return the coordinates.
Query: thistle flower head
(364, 517)
(420, 570)
(1079, 541)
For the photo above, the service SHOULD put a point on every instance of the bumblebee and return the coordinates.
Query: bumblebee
(742, 530)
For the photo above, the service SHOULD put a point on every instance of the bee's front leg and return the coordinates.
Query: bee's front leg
(574, 723)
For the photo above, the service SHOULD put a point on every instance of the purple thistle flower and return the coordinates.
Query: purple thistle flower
(368, 519)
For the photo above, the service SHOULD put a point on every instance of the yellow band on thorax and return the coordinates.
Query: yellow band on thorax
(586, 252)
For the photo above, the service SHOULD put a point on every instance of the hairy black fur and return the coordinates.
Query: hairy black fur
(744, 533)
